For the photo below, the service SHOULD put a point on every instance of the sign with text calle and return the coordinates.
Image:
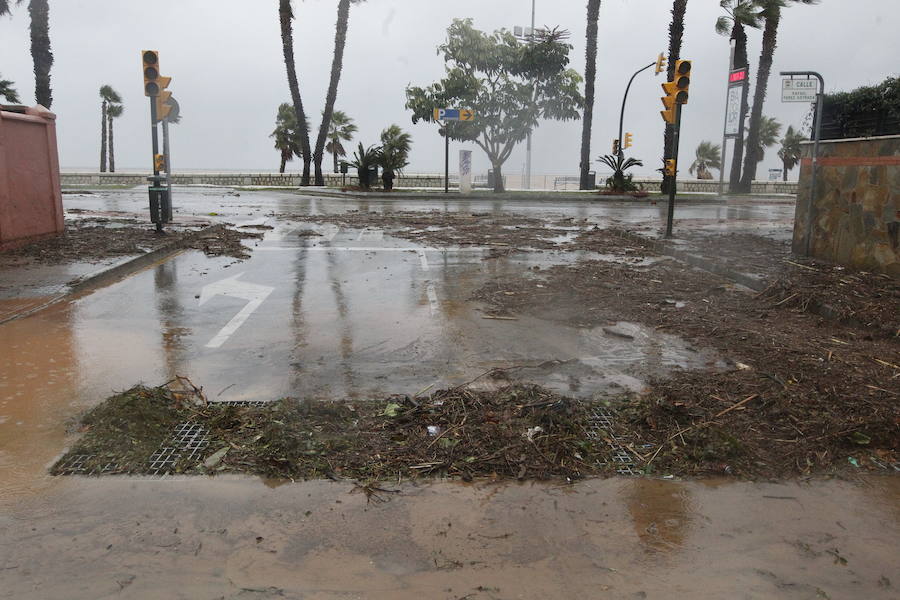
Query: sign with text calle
(799, 90)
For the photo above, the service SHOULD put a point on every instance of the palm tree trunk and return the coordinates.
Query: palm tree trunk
(334, 154)
(739, 35)
(112, 149)
(340, 41)
(283, 164)
(770, 41)
(287, 41)
(103, 138)
(40, 51)
(785, 171)
(590, 75)
(676, 33)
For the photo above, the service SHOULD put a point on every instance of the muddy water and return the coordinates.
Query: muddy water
(620, 538)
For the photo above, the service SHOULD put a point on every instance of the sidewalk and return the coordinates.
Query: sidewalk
(95, 249)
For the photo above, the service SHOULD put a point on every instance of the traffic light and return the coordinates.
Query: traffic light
(628, 143)
(151, 72)
(669, 101)
(162, 102)
(671, 167)
(683, 80)
(159, 162)
(661, 63)
(615, 149)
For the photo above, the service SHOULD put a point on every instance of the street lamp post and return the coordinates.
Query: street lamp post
(625, 99)
(530, 39)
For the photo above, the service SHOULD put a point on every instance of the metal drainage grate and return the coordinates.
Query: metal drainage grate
(240, 403)
(187, 443)
(75, 465)
(601, 422)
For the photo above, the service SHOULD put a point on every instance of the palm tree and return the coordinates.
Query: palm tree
(39, 10)
(739, 14)
(340, 130)
(769, 130)
(8, 91)
(287, 138)
(708, 156)
(286, 15)
(676, 33)
(337, 65)
(590, 75)
(113, 111)
(108, 96)
(394, 157)
(363, 160)
(771, 13)
(791, 150)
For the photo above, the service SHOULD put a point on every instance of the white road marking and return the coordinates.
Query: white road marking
(423, 259)
(432, 299)
(328, 231)
(253, 293)
(472, 249)
(374, 235)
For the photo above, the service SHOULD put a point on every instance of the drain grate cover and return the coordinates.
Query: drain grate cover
(601, 428)
(187, 443)
(75, 465)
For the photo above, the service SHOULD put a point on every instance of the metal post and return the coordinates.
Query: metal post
(167, 204)
(674, 154)
(528, 143)
(446, 159)
(622, 113)
(725, 124)
(817, 134)
(155, 212)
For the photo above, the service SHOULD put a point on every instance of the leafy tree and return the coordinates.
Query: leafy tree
(113, 111)
(41, 55)
(590, 75)
(363, 160)
(287, 135)
(676, 34)
(8, 91)
(619, 182)
(337, 65)
(791, 149)
(509, 84)
(864, 112)
(108, 96)
(708, 156)
(395, 147)
(340, 130)
(286, 15)
(771, 13)
(769, 130)
(739, 14)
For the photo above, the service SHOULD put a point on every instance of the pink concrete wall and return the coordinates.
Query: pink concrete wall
(30, 196)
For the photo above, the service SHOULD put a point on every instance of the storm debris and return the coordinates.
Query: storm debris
(518, 431)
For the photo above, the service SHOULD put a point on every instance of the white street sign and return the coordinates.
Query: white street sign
(799, 90)
(733, 111)
(253, 293)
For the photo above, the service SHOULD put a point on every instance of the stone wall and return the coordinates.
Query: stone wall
(686, 186)
(856, 212)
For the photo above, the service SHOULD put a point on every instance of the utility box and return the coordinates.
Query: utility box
(592, 180)
(30, 194)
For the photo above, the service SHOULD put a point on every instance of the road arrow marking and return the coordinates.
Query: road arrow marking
(253, 293)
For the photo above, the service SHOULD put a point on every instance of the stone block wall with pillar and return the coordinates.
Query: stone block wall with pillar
(856, 212)
(30, 196)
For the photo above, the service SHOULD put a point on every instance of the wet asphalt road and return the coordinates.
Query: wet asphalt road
(358, 314)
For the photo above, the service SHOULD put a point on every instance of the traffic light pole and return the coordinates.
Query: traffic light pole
(446, 159)
(155, 207)
(625, 99)
(676, 134)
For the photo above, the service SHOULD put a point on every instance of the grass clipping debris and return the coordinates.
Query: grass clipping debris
(515, 432)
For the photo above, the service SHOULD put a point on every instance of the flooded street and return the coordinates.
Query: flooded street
(358, 314)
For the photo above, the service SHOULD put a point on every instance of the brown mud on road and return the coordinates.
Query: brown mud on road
(616, 538)
(805, 395)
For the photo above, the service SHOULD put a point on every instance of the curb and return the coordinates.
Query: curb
(115, 272)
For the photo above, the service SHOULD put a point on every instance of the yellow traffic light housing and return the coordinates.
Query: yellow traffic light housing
(661, 63)
(628, 143)
(683, 80)
(151, 72)
(162, 103)
(669, 101)
(671, 167)
(159, 162)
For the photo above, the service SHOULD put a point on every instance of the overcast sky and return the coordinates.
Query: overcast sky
(229, 76)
